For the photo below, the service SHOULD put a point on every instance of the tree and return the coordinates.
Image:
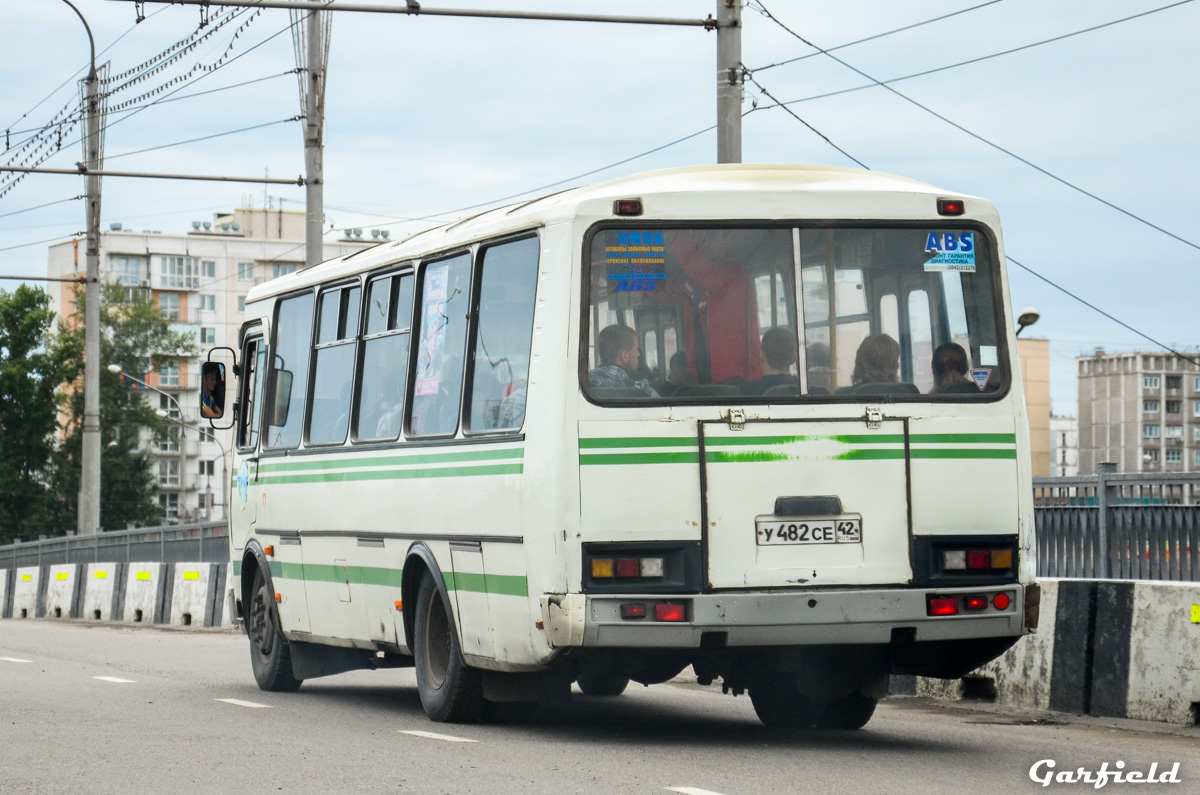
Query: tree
(135, 336)
(32, 368)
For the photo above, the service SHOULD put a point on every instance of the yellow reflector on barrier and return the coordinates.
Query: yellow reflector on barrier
(62, 575)
(26, 577)
(191, 575)
(101, 575)
(143, 575)
(1196, 614)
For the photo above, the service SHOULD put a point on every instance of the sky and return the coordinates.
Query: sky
(428, 115)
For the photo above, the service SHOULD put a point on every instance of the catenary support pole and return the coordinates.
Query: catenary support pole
(314, 222)
(729, 81)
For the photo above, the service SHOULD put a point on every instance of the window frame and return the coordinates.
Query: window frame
(340, 286)
(400, 270)
(986, 238)
(251, 333)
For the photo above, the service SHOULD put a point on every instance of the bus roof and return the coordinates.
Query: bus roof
(670, 186)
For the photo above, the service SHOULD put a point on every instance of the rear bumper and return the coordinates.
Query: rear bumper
(792, 618)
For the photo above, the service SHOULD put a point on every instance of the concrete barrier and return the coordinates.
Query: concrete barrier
(102, 591)
(5, 593)
(226, 581)
(62, 591)
(145, 587)
(193, 594)
(26, 592)
(1164, 653)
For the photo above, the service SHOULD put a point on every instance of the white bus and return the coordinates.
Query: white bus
(762, 421)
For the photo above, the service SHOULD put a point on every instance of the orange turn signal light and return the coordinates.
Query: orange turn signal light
(399, 604)
(269, 551)
(278, 596)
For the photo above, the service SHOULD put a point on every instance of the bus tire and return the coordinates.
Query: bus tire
(270, 656)
(848, 713)
(450, 691)
(782, 708)
(606, 684)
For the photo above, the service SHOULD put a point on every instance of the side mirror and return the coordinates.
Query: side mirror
(283, 397)
(212, 390)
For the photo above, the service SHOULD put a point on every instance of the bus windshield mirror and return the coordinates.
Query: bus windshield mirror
(212, 391)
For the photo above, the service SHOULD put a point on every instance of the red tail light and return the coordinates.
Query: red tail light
(633, 611)
(943, 606)
(669, 612)
(1001, 601)
(976, 603)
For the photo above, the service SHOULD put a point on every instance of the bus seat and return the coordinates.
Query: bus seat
(707, 390)
(786, 389)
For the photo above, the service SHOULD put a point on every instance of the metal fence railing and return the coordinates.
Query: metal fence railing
(1105, 526)
(1127, 527)
(188, 543)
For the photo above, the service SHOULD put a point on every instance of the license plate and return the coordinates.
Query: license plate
(846, 529)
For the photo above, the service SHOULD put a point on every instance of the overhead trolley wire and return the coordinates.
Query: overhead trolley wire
(880, 35)
(981, 139)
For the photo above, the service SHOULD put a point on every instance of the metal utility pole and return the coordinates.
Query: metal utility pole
(729, 81)
(311, 60)
(89, 482)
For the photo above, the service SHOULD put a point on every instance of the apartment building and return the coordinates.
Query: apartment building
(199, 279)
(1064, 446)
(1140, 410)
(1035, 373)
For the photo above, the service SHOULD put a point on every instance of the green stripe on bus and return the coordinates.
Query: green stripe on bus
(963, 438)
(977, 453)
(500, 584)
(404, 460)
(237, 568)
(394, 474)
(758, 456)
(752, 440)
(641, 458)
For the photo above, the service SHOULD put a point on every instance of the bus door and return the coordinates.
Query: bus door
(805, 503)
(249, 422)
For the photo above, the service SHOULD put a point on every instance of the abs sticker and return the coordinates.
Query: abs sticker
(635, 260)
(981, 376)
(950, 252)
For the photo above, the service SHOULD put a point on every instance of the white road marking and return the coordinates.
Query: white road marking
(448, 738)
(691, 791)
(14, 659)
(115, 679)
(237, 702)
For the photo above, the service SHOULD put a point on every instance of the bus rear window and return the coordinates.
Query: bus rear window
(778, 314)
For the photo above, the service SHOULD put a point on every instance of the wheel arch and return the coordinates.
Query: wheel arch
(254, 556)
(418, 562)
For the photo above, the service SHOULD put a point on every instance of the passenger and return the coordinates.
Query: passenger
(950, 368)
(877, 361)
(619, 353)
(678, 374)
(777, 354)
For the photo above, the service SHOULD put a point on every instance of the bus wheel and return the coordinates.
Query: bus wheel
(450, 691)
(606, 684)
(848, 713)
(784, 708)
(270, 656)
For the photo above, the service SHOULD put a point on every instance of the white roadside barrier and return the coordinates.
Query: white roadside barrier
(101, 584)
(62, 591)
(145, 586)
(192, 594)
(26, 589)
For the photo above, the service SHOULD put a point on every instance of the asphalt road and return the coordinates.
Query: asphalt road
(87, 708)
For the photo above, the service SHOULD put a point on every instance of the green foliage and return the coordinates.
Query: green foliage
(135, 336)
(32, 368)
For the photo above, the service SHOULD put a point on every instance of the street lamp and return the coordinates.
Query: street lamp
(116, 369)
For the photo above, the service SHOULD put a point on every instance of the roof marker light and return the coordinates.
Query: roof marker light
(951, 206)
(627, 207)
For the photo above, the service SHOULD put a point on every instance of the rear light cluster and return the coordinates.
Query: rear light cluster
(626, 568)
(953, 605)
(662, 611)
(976, 559)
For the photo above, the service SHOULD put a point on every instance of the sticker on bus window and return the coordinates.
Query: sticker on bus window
(634, 260)
(989, 356)
(981, 376)
(950, 252)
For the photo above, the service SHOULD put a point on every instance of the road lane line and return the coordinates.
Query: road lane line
(115, 679)
(14, 659)
(237, 702)
(691, 791)
(446, 737)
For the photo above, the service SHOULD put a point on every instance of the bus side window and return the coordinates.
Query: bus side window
(437, 386)
(333, 369)
(503, 334)
(250, 416)
(293, 330)
(385, 358)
